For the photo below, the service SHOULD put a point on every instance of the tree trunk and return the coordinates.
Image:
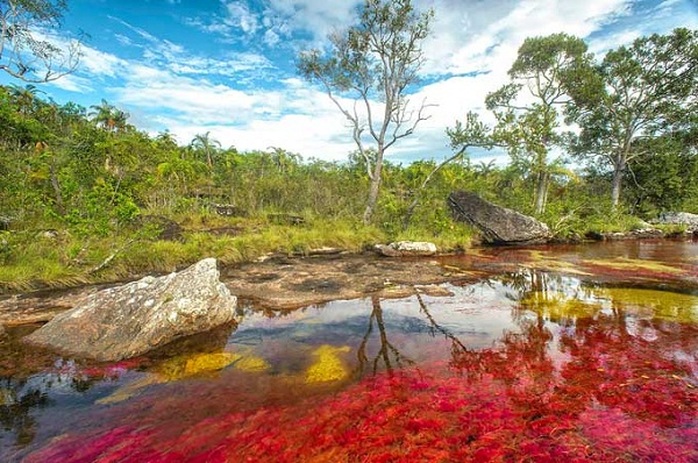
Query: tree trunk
(618, 171)
(541, 192)
(374, 189)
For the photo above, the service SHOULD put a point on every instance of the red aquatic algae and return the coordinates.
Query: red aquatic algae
(615, 398)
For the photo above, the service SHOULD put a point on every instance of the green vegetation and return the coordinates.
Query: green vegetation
(375, 64)
(530, 131)
(86, 197)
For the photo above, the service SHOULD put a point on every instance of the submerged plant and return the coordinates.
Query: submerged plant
(612, 396)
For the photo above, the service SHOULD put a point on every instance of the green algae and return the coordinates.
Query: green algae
(557, 305)
(626, 264)
(653, 303)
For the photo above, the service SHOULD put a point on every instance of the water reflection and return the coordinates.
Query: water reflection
(554, 383)
(16, 402)
(534, 354)
(387, 353)
(38, 389)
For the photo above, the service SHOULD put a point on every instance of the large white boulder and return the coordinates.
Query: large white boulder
(129, 320)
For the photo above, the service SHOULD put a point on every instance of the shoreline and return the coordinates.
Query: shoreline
(283, 282)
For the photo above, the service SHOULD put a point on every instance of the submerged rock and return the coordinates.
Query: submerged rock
(497, 224)
(407, 248)
(129, 320)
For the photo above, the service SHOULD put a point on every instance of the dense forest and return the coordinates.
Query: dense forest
(86, 196)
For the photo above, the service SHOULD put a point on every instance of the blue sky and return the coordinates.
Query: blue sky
(228, 66)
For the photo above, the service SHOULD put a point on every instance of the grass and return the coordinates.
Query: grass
(32, 260)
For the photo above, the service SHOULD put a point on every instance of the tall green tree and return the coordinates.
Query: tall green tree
(528, 108)
(375, 63)
(209, 146)
(637, 92)
(26, 55)
(109, 117)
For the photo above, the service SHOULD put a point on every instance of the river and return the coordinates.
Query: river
(579, 353)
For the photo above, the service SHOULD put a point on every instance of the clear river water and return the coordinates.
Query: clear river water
(574, 353)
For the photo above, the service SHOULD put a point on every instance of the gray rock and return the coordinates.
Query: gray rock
(680, 218)
(129, 320)
(407, 248)
(497, 224)
(2, 332)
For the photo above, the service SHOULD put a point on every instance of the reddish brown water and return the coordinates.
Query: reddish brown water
(577, 353)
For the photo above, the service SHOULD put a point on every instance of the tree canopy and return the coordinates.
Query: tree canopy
(636, 93)
(27, 50)
(527, 108)
(374, 63)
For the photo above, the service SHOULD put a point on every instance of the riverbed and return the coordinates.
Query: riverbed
(580, 352)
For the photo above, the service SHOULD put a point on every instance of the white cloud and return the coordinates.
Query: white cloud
(73, 83)
(240, 16)
(318, 17)
(472, 46)
(464, 42)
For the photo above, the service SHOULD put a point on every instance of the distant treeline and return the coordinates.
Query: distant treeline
(90, 171)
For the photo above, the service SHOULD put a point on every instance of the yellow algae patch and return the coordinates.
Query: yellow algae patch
(556, 305)
(206, 363)
(624, 263)
(666, 305)
(462, 271)
(129, 390)
(182, 367)
(251, 363)
(328, 365)
(6, 397)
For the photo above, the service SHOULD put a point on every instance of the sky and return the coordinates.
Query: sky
(228, 67)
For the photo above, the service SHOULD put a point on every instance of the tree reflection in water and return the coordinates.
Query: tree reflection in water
(16, 403)
(583, 377)
(386, 350)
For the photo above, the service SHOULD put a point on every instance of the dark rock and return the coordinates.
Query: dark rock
(406, 248)
(644, 233)
(497, 224)
(129, 320)
(594, 235)
(166, 229)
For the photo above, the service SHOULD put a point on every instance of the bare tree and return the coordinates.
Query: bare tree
(25, 52)
(374, 63)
